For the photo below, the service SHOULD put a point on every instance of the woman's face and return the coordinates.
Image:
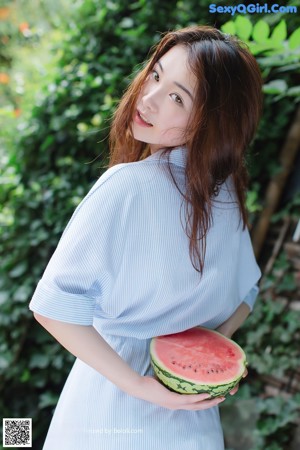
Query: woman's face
(165, 103)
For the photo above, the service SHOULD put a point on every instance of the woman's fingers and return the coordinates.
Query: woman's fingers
(205, 404)
(234, 390)
(153, 391)
(196, 401)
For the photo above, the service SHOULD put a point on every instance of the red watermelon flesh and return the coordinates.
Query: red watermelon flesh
(198, 360)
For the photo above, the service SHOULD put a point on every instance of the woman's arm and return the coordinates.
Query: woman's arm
(230, 326)
(86, 343)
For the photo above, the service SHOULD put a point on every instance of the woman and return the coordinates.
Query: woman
(159, 245)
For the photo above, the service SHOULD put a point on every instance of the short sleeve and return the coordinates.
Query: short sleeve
(248, 271)
(87, 257)
(251, 297)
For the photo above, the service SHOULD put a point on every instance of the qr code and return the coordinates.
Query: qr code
(17, 432)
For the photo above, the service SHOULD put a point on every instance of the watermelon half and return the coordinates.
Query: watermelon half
(196, 361)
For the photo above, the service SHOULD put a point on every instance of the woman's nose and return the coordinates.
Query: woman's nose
(150, 99)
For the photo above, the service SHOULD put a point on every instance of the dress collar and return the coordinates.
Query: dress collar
(176, 156)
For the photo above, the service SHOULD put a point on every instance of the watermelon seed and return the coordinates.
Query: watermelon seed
(195, 370)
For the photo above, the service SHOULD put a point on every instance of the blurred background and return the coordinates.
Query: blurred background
(63, 67)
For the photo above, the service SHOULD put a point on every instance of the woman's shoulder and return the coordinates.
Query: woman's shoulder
(134, 176)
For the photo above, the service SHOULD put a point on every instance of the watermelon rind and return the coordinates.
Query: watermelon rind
(187, 386)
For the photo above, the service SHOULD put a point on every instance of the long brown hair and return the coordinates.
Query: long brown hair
(225, 116)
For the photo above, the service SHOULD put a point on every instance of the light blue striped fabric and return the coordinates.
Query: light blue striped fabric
(123, 265)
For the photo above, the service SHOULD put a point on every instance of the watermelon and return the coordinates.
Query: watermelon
(197, 361)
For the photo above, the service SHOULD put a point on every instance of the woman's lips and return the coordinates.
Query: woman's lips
(140, 121)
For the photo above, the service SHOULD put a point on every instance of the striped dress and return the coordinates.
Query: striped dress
(123, 266)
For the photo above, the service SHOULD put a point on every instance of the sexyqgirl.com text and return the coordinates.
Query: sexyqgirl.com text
(252, 8)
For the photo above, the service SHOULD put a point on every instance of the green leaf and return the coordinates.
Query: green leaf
(243, 27)
(47, 399)
(25, 376)
(229, 27)
(4, 297)
(275, 87)
(82, 127)
(39, 360)
(261, 31)
(276, 60)
(127, 22)
(289, 68)
(22, 294)
(280, 32)
(257, 48)
(294, 39)
(18, 270)
(5, 361)
(294, 91)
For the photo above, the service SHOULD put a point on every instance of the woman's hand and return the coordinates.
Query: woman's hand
(153, 391)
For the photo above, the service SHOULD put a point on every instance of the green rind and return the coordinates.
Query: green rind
(187, 387)
(184, 386)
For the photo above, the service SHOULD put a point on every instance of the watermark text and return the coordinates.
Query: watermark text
(252, 8)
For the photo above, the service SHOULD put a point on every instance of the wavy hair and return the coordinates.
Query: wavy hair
(225, 117)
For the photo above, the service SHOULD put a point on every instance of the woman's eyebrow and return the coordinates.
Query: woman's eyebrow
(184, 89)
(160, 66)
(177, 84)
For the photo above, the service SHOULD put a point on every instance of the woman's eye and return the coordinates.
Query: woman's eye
(155, 75)
(177, 99)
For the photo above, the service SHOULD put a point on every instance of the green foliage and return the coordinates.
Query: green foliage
(267, 423)
(61, 148)
(279, 58)
(272, 327)
(270, 338)
(275, 51)
(277, 422)
(276, 319)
